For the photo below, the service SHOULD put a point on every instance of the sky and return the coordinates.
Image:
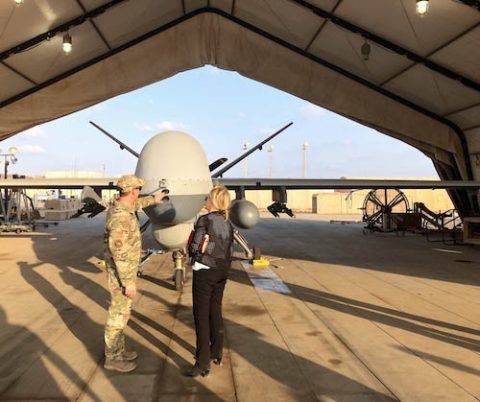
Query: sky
(223, 111)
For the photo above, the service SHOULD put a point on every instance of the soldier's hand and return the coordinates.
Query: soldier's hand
(131, 290)
(160, 196)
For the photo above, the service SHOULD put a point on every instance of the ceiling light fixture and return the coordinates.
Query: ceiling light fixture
(67, 43)
(19, 2)
(422, 7)
(365, 50)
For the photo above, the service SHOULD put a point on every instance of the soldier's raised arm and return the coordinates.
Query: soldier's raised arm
(144, 202)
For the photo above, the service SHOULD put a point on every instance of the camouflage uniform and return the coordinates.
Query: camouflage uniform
(122, 248)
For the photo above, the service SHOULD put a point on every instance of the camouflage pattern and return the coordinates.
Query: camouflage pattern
(127, 183)
(117, 319)
(122, 248)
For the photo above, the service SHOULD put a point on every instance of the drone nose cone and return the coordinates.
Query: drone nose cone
(172, 237)
(244, 214)
(175, 161)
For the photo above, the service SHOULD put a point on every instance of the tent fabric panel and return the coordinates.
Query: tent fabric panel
(467, 118)
(126, 71)
(398, 22)
(328, 5)
(343, 48)
(431, 151)
(283, 19)
(140, 16)
(38, 17)
(223, 5)
(433, 91)
(211, 39)
(50, 60)
(11, 83)
(90, 5)
(192, 5)
(473, 138)
(462, 55)
(306, 79)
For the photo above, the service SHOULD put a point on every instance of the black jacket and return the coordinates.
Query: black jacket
(219, 250)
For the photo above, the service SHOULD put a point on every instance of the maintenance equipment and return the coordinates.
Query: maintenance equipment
(18, 213)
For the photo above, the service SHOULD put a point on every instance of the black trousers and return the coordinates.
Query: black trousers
(208, 286)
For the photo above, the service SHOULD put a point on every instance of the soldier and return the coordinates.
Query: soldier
(122, 247)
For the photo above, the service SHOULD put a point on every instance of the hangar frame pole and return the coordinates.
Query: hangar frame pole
(322, 26)
(95, 27)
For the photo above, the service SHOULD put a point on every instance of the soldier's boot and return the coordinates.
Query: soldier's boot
(129, 356)
(122, 366)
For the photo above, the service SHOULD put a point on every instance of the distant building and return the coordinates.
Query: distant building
(73, 174)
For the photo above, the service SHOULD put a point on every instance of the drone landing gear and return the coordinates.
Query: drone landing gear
(146, 254)
(179, 269)
(178, 261)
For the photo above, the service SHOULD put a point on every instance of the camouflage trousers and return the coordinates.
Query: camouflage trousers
(117, 318)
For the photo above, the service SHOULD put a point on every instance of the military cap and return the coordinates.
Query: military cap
(128, 182)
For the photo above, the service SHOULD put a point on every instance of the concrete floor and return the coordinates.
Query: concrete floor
(339, 316)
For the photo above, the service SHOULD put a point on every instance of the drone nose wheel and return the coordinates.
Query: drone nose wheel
(179, 273)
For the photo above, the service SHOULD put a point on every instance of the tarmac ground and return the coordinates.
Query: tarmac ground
(338, 316)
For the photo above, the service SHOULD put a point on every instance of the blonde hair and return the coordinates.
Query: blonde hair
(220, 198)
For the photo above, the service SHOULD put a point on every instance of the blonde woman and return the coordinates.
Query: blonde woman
(211, 251)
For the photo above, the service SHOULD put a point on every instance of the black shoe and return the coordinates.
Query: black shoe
(217, 361)
(196, 371)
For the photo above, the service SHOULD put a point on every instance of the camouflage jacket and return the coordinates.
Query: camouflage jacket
(122, 239)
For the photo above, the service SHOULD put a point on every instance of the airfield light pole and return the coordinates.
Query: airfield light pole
(246, 145)
(8, 158)
(304, 164)
(270, 162)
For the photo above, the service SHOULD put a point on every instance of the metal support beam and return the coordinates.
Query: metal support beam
(443, 46)
(97, 30)
(320, 29)
(14, 70)
(463, 109)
